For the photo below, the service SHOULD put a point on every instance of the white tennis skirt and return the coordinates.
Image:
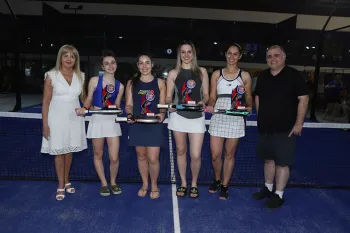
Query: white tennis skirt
(103, 126)
(226, 126)
(182, 124)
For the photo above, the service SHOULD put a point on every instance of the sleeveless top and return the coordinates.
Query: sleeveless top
(233, 89)
(188, 87)
(103, 97)
(145, 97)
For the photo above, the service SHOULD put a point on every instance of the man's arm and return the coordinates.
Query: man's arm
(303, 97)
(302, 94)
(302, 109)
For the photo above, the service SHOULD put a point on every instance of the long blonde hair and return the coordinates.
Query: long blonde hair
(76, 68)
(194, 66)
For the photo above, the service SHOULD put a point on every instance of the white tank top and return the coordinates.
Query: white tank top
(225, 87)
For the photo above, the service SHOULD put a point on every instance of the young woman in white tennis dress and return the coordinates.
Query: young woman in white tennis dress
(104, 90)
(63, 130)
(223, 127)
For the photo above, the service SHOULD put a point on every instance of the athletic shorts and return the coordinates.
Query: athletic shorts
(278, 147)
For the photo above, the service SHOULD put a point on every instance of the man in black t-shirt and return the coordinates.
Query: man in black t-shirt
(281, 102)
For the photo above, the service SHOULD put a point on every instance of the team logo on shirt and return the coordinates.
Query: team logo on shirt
(191, 84)
(150, 95)
(186, 91)
(240, 90)
(110, 88)
(107, 93)
(146, 101)
(236, 96)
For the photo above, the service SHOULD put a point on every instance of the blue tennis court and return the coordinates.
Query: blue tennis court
(318, 199)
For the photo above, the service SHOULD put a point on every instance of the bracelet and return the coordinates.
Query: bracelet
(86, 108)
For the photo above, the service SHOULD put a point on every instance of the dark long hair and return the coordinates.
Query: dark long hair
(136, 77)
(234, 45)
(107, 53)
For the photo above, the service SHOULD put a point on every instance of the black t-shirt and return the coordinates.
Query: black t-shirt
(278, 99)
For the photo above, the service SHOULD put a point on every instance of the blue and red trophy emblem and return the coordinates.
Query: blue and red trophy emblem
(237, 96)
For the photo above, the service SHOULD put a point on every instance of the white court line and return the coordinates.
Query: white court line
(176, 215)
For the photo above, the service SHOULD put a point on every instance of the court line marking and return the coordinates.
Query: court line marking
(176, 215)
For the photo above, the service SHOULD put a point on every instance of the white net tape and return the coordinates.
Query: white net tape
(249, 123)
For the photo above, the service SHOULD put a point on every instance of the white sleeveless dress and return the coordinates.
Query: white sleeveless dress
(67, 130)
(221, 125)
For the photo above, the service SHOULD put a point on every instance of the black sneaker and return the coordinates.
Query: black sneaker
(104, 191)
(116, 189)
(215, 186)
(224, 192)
(263, 193)
(274, 202)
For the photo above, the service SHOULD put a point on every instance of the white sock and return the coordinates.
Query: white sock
(269, 186)
(279, 193)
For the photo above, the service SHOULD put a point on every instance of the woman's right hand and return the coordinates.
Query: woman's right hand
(130, 118)
(46, 132)
(80, 111)
(209, 109)
(172, 109)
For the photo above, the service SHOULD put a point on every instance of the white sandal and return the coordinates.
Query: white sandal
(69, 190)
(58, 196)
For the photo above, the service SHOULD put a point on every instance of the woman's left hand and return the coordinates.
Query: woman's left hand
(161, 117)
(202, 103)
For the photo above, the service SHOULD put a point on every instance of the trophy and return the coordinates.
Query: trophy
(107, 93)
(238, 101)
(238, 107)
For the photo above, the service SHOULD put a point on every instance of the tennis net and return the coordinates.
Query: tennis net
(322, 157)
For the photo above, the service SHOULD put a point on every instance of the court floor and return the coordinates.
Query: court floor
(30, 206)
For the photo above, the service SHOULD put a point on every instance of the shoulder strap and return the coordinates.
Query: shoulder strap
(239, 73)
(239, 77)
(220, 76)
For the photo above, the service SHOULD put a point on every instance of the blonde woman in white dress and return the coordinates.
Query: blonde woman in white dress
(63, 130)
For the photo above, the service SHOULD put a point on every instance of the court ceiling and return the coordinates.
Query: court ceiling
(308, 7)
